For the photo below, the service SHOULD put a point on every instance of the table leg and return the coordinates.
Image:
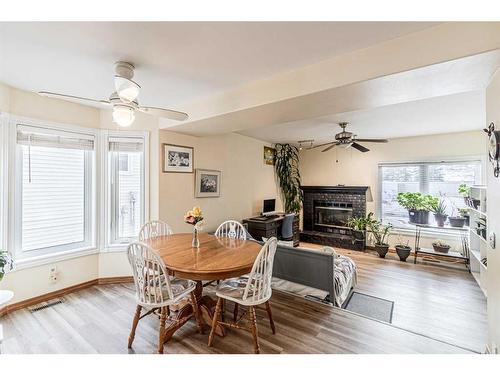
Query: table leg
(206, 306)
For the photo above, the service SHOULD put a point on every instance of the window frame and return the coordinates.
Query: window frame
(39, 256)
(108, 244)
(427, 232)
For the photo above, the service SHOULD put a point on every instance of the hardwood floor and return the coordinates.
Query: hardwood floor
(434, 300)
(98, 320)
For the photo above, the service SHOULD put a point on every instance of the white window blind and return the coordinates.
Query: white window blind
(54, 180)
(126, 166)
(439, 179)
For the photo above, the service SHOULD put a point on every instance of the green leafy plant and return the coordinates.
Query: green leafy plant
(360, 223)
(286, 168)
(418, 201)
(379, 232)
(5, 263)
(464, 190)
(440, 208)
(463, 212)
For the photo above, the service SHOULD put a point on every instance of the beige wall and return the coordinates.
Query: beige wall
(246, 180)
(493, 208)
(356, 168)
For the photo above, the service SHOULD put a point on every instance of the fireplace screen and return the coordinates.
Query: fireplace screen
(332, 214)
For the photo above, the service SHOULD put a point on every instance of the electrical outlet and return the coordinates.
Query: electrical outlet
(53, 274)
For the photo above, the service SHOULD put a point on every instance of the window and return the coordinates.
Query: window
(54, 190)
(440, 179)
(126, 187)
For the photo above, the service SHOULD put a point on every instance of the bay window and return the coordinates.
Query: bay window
(439, 179)
(54, 195)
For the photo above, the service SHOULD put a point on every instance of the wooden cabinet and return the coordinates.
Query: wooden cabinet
(271, 227)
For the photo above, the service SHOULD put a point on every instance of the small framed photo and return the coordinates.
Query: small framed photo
(207, 183)
(178, 159)
(269, 155)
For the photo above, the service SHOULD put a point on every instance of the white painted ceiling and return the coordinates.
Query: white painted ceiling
(176, 61)
(443, 114)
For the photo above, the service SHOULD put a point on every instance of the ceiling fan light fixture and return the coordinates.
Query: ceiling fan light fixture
(127, 90)
(123, 115)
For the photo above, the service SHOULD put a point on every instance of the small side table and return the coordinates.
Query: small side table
(5, 296)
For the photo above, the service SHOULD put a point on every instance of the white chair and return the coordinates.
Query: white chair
(231, 229)
(156, 291)
(249, 292)
(153, 229)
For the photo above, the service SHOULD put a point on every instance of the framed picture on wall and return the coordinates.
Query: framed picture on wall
(269, 155)
(207, 183)
(178, 159)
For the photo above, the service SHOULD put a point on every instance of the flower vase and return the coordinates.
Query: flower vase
(196, 241)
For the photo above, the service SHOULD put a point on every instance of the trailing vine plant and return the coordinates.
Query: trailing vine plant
(286, 168)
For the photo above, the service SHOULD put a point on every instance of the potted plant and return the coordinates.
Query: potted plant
(464, 191)
(402, 249)
(464, 212)
(455, 220)
(441, 246)
(418, 206)
(440, 213)
(358, 226)
(286, 169)
(380, 235)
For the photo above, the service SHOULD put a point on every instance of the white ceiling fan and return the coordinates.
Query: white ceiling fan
(124, 99)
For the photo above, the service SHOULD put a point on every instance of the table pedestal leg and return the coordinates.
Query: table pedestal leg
(206, 307)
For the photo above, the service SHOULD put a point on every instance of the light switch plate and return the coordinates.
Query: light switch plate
(492, 240)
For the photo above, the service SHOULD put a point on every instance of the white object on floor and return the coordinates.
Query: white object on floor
(5, 296)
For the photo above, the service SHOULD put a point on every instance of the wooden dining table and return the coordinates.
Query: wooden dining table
(217, 258)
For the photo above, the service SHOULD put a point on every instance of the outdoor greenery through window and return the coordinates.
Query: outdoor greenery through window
(439, 179)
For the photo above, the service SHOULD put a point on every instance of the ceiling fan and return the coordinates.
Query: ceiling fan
(349, 140)
(123, 100)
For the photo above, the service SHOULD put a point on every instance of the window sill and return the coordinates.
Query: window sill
(35, 261)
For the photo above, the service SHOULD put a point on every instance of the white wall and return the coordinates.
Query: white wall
(493, 208)
(246, 180)
(351, 167)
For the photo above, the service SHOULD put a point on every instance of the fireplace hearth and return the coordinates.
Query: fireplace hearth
(326, 211)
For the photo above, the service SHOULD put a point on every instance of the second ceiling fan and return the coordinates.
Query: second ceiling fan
(349, 140)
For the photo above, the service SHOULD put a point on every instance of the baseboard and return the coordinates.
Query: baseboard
(62, 292)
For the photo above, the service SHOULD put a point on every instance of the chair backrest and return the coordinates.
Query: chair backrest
(258, 286)
(231, 229)
(153, 229)
(150, 275)
(287, 226)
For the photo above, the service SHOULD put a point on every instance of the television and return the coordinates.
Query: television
(269, 206)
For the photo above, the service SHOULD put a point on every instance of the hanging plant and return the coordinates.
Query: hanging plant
(286, 168)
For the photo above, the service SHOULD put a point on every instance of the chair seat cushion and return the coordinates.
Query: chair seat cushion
(234, 288)
(178, 286)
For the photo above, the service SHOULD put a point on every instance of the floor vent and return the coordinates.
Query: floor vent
(44, 305)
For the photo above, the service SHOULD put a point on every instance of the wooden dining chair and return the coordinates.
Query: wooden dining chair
(154, 228)
(249, 292)
(156, 290)
(231, 229)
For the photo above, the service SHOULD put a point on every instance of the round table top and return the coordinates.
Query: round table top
(215, 259)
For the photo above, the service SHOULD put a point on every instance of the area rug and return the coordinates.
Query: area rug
(372, 307)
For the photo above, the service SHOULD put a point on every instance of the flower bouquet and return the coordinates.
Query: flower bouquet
(195, 218)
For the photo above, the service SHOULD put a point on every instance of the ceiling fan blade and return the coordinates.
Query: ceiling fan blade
(358, 147)
(330, 147)
(166, 113)
(371, 140)
(322, 145)
(74, 99)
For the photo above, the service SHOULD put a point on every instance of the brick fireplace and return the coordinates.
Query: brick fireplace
(326, 210)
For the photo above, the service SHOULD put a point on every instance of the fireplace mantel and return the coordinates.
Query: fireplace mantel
(336, 189)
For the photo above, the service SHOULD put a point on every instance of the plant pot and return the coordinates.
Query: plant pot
(403, 252)
(457, 221)
(467, 220)
(440, 219)
(441, 249)
(381, 250)
(358, 234)
(418, 216)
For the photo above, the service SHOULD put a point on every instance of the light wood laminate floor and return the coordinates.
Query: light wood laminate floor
(98, 319)
(438, 301)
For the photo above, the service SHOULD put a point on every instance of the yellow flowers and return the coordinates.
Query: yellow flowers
(194, 216)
